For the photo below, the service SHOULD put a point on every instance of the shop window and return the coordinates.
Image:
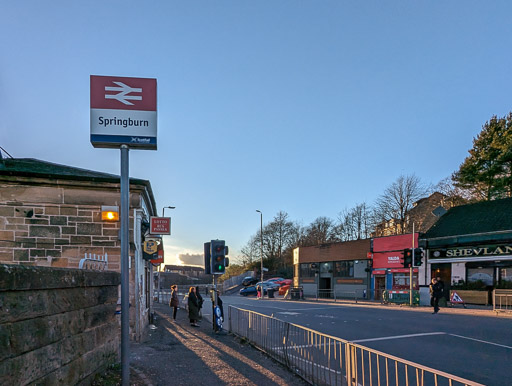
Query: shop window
(401, 281)
(306, 271)
(506, 274)
(344, 269)
(485, 275)
(326, 267)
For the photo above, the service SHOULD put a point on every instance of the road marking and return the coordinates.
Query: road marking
(481, 341)
(398, 337)
(308, 309)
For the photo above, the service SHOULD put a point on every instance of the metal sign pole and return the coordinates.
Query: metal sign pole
(412, 264)
(125, 282)
(214, 300)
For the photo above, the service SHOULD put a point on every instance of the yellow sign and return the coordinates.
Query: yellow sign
(150, 247)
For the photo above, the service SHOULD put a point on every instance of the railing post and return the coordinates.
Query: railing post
(229, 318)
(348, 364)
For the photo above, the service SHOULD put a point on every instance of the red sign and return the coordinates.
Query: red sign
(160, 225)
(121, 93)
(160, 259)
(379, 272)
(388, 259)
(394, 243)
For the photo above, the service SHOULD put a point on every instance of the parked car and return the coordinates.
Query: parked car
(249, 290)
(280, 281)
(283, 289)
(271, 284)
(249, 280)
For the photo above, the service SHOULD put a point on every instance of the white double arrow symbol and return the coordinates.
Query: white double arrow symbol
(123, 96)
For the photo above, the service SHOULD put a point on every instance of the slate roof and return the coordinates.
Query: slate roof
(30, 167)
(481, 217)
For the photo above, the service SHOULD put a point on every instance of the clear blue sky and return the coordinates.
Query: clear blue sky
(304, 106)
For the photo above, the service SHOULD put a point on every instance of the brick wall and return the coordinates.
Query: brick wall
(57, 326)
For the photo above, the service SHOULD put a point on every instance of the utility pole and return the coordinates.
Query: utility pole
(411, 268)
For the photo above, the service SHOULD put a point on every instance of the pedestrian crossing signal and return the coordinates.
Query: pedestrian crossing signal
(218, 252)
(407, 258)
(418, 257)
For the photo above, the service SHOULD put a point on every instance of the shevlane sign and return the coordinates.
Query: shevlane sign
(123, 112)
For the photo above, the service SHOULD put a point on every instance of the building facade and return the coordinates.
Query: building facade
(51, 215)
(388, 271)
(472, 243)
(341, 269)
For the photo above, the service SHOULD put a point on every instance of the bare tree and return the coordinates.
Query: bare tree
(355, 223)
(398, 199)
(251, 251)
(320, 231)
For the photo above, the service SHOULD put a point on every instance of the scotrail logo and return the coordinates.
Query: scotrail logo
(122, 96)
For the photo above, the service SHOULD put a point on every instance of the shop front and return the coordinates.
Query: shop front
(489, 265)
(470, 247)
(389, 273)
(340, 270)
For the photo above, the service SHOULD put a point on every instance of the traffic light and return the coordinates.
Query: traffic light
(207, 259)
(418, 257)
(407, 258)
(218, 251)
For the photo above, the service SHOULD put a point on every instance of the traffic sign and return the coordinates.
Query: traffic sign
(123, 112)
(160, 225)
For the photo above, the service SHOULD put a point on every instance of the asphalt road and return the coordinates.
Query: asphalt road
(478, 348)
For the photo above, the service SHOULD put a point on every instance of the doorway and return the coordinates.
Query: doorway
(444, 271)
(324, 288)
(380, 286)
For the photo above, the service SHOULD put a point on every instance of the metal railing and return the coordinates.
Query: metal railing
(94, 262)
(502, 300)
(358, 294)
(326, 360)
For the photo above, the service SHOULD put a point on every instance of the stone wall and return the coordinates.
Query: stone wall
(57, 326)
(57, 235)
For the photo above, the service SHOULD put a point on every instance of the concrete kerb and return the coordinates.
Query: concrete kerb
(474, 310)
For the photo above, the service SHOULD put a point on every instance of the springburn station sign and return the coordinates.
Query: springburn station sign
(123, 112)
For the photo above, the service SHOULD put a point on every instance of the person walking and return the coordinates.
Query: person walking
(175, 301)
(200, 302)
(440, 282)
(193, 307)
(436, 292)
(258, 291)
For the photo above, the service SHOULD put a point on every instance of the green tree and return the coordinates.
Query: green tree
(487, 171)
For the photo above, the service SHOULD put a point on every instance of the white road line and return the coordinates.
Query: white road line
(308, 309)
(398, 337)
(481, 341)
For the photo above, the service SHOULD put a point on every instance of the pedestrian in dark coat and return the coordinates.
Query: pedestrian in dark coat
(441, 286)
(436, 292)
(219, 304)
(200, 301)
(175, 301)
(193, 307)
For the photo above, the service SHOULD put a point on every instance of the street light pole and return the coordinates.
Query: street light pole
(261, 242)
(163, 209)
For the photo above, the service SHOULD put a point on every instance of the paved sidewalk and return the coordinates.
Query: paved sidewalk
(176, 353)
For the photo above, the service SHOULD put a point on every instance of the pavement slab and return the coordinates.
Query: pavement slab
(175, 353)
